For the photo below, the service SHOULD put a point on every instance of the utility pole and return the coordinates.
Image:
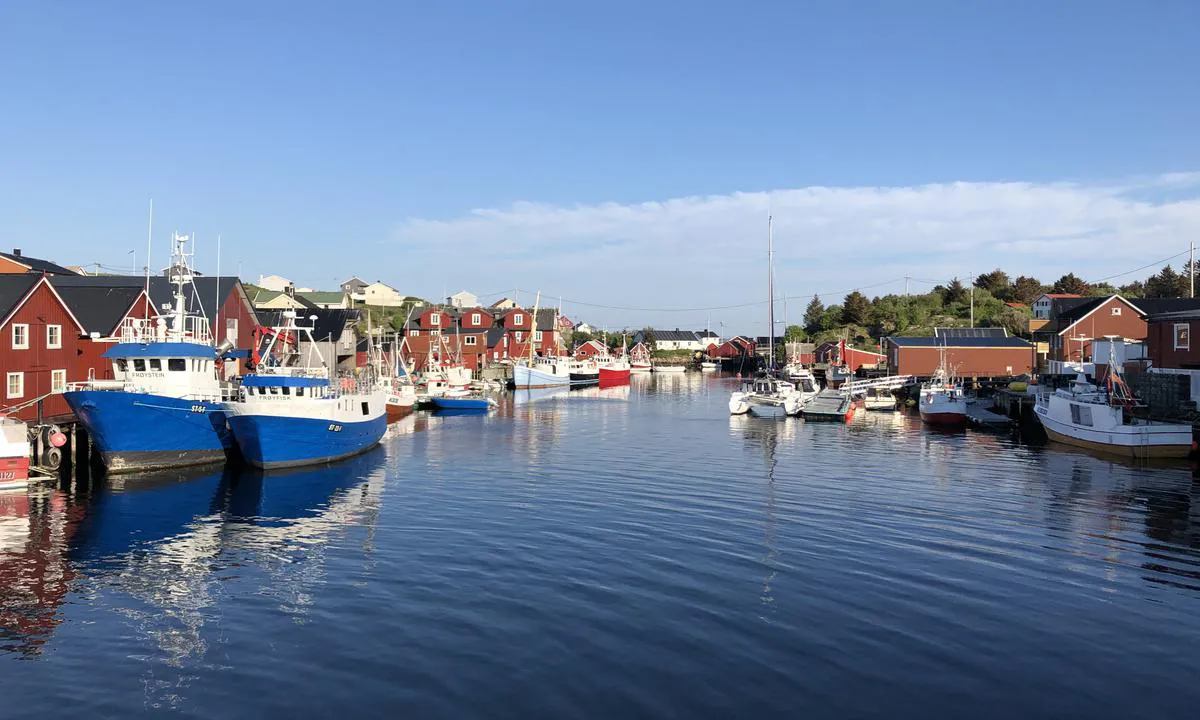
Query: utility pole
(972, 277)
(906, 286)
(1192, 269)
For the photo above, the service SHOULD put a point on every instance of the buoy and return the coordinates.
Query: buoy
(58, 439)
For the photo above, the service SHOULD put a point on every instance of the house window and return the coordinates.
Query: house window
(435, 319)
(231, 329)
(1183, 336)
(1116, 311)
(58, 381)
(53, 337)
(517, 336)
(435, 333)
(518, 319)
(20, 336)
(15, 387)
(469, 340)
(414, 333)
(537, 335)
(476, 319)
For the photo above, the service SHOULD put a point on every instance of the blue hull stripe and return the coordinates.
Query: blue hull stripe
(270, 441)
(139, 431)
(460, 403)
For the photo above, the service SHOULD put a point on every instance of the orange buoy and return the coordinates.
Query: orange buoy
(58, 439)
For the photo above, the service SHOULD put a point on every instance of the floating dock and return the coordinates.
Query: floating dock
(829, 406)
(983, 417)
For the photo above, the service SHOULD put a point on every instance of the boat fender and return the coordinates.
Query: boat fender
(58, 439)
(52, 459)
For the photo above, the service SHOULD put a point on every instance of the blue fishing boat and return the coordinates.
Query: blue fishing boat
(477, 403)
(162, 409)
(288, 413)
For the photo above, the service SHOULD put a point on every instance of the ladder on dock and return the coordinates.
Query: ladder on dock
(887, 382)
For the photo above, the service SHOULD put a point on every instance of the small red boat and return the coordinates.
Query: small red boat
(14, 453)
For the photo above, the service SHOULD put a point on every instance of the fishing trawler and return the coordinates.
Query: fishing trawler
(1104, 419)
(942, 400)
(163, 406)
(288, 412)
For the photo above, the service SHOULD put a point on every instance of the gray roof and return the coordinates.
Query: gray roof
(675, 335)
(959, 342)
(988, 332)
(329, 325)
(494, 335)
(13, 288)
(545, 318)
(99, 309)
(202, 297)
(39, 266)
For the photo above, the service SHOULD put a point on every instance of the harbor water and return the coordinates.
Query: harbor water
(615, 553)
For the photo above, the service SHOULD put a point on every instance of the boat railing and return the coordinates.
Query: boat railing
(147, 330)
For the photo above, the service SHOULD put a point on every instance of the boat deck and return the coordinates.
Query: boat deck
(827, 405)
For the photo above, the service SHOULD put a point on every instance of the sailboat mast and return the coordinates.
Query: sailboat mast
(771, 292)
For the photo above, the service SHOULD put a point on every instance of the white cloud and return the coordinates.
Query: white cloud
(710, 251)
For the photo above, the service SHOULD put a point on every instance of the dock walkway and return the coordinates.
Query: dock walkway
(981, 416)
(827, 405)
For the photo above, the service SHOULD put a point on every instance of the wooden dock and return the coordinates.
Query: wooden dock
(828, 406)
(981, 416)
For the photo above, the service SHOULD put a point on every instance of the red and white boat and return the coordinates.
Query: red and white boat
(614, 370)
(942, 400)
(14, 453)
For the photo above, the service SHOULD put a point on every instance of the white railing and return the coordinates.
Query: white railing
(889, 382)
(148, 330)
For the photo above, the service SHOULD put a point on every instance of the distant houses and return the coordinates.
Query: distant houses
(17, 263)
(479, 335)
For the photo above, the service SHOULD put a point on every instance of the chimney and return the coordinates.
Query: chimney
(290, 290)
(17, 252)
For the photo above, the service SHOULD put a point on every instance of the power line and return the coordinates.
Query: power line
(1144, 267)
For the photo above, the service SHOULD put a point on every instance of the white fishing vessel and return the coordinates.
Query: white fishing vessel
(1103, 419)
(536, 371)
(942, 401)
(14, 453)
(288, 414)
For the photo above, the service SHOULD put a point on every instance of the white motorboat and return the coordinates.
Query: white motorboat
(767, 396)
(1103, 419)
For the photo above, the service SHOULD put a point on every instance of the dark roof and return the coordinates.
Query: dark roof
(1068, 310)
(545, 319)
(959, 342)
(675, 335)
(1158, 306)
(494, 335)
(329, 324)
(970, 332)
(161, 289)
(355, 281)
(39, 266)
(13, 287)
(99, 309)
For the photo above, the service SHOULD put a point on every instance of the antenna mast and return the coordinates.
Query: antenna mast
(771, 291)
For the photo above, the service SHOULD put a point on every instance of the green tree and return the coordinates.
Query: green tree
(955, 291)
(1015, 321)
(1026, 289)
(1135, 289)
(794, 333)
(995, 282)
(1164, 285)
(855, 309)
(1069, 284)
(813, 315)
(831, 318)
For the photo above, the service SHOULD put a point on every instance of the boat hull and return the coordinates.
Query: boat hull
(585, 378)
(14, 472)
(274, 441)
(136, 432)
(611, 375)
(944, 419)
(535, 378)
(1139, 441)
(446, 403)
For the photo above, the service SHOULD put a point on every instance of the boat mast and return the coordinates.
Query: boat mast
(771, 292)
(537, 301)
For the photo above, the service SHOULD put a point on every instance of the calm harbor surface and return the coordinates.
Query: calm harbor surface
(618, 552)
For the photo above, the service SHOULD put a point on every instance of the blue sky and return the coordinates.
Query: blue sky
(618, 153)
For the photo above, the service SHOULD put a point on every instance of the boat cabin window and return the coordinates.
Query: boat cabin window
(287, 390)
(176, 364)
(367, 406)
(1081, 415)
(274, 390)
(122, 365)
(156, 365)
(139, 365)
(299, 392)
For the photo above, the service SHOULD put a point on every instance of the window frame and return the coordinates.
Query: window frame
(435, 319)
(58, 385)
(1187, 335)
(470, 340)
(57, 344)
(476, 319)
(24, 328)
(19, 376)
(173, 363)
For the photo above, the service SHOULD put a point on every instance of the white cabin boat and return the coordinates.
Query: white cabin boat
(1102, 419)
(767, 396)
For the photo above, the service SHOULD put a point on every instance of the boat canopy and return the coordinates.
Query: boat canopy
(160, 350)
(283, 381)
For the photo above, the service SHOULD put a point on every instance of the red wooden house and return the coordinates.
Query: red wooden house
(853, 358)
(591, 349)
(40, 342)
(734, 347)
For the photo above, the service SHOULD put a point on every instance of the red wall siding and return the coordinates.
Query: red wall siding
(235, 307)
(965, 362)
(1160, 345)
(41, 309)
(1101, 322)
(485, 319)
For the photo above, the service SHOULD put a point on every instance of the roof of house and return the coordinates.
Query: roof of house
(1158, 306)
(12, 289)
(356, 281)
(161, 290)
(99, 309)
(329, 325)
(970, 332)
(675, 335)
(267, 296)
(38, 266)
(495, 334)
(501, 301)
(322, 297)
(960, 342)
(1058, 296)
(1016, 305)
(545, 318)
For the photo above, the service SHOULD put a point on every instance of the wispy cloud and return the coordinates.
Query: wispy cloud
(710, 251)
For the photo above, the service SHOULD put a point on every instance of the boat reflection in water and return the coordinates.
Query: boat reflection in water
(169, 540)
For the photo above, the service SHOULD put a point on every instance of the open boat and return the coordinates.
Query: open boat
(463, 401)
